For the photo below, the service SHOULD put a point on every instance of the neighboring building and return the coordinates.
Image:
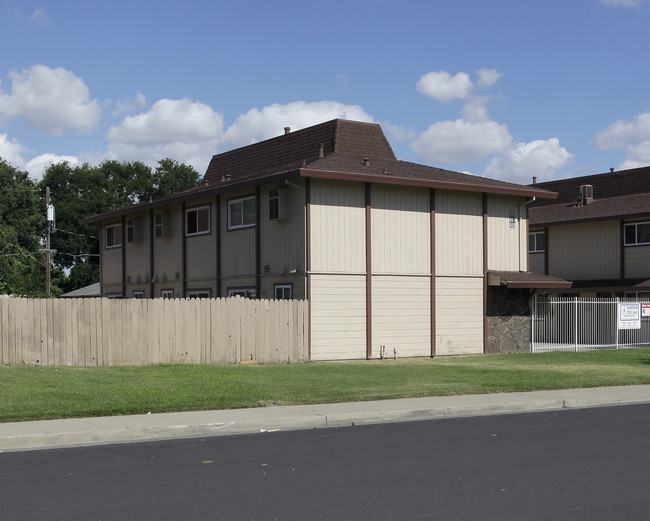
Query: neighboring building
(392, 256)
(92, 291)
(596, 233)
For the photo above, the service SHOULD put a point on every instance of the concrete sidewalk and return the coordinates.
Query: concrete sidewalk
(51, 434)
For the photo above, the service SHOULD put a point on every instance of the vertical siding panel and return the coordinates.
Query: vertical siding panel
(459, 315)
(504, 244)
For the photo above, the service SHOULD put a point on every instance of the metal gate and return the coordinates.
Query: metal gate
(584, 324)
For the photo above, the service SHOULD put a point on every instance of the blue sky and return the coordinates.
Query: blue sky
(507, 89)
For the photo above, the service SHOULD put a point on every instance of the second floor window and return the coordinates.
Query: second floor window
(197, 220)
(114, 236)
(637, 233)
(241, 213)
(536, 242)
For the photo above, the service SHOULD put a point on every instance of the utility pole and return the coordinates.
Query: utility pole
(47, 242)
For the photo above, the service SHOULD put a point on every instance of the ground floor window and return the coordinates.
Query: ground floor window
(240, 292)
(202, 293)
(638, 294)
(283, 291)
(167, 293)
(138, 294)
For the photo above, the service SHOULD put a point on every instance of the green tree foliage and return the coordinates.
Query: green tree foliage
(84, 190)
(22, 223)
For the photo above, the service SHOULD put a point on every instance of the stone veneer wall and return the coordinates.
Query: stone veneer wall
(509, 322)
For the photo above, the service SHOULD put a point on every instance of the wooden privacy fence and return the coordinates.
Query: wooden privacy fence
(111, 332)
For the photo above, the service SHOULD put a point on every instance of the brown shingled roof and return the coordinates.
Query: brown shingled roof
(293, 150)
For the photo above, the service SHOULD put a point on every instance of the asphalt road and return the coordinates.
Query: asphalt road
(587, 464)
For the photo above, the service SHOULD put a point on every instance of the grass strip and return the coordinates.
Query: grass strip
(34, 393)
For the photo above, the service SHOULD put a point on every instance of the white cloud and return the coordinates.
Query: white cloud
(631, 136)
(257, 125)
(444, 87)
(191, 132)
(39, 17)
(50, 101)
(475, 109)
(37, 166)
(185, 130)
(487, 77)
(621, 3)
(461, 141)
(12, 151)
(129, 106)
(522, 161)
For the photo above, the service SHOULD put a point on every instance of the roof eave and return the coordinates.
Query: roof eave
(427, 183)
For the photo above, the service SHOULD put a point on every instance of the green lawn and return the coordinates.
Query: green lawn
(28, 393)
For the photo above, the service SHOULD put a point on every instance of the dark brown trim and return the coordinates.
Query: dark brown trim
(546, 239)
(628, 219)
(485, 275)
(428, 183)
(217, 226)
(123, 255)
(308, 261)
(151, 253)
(432, 224)
(258, 219)
(183, 253)
(368, 187)
(622, 249)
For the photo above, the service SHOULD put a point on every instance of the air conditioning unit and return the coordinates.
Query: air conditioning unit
(586, 193)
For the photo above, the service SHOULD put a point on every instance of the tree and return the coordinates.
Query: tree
(171, 177)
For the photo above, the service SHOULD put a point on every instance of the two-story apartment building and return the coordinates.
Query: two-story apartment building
(596, 233)
(389, 254)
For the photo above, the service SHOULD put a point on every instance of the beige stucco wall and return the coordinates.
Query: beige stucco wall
(401, 230)
(584, 251)
(338, 317)
(338, 226)
(401, 315)
(168, 251)
(507, 238)
(201, 250)
(459, 315)
(459, 233)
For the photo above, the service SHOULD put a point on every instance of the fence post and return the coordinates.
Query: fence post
(575, 303)
(616, 321)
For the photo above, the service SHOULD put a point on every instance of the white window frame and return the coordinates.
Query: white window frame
(198, 210)
(114, 243)
(130, 230)
(198, 293)
(636, 233)
(232, 204)
(138, 294)
(158, 221)
(535, 234)
(283, 289)
(239, 292)
(274, 204)
(167, 293)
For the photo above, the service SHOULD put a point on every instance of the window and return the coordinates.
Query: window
(241, 213)
(274, 204)
(536, 242)
(138, 294)
(641, 295)
(202, 293)
(114, 236)
(239, 293)
(158, 225)
(167, 293)
(637, 233)
(283, 291)
(130, 230)
(197, 220)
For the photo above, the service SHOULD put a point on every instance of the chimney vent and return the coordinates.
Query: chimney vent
(287, 130)
(321, 150)
(534, 179)
(366, 161)
(611, 169)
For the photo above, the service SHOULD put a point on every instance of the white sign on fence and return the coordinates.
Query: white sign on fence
(629, 315)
